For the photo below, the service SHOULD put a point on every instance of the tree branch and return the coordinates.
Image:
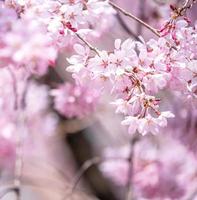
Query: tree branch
(87, 43)
(116, 7)
(129, 194)
(18, 167)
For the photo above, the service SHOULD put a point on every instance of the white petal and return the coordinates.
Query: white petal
(117, 43)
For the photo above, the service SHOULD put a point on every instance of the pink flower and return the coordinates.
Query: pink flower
(147, 124)
(158, 173)
(75, 100)
(78, 61)
(72, 14)
(19, 42)
(100, 65)
(154, 83)
(133, 123)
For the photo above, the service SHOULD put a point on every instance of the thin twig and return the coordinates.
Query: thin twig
(19, 144)
(18, 161)
(141, 16)
(15, 92)
(87, 43)
(87, 165)
(23, 99)
(84, 168)
(129, 193)
(18, 167)
(135, 18)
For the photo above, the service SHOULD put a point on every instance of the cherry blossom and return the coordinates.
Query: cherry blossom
(75, 100)
(142, 78)
(61, 18)
(130, 83)
(138, 71)
(158, 172)
(147, 124)
(17, 45)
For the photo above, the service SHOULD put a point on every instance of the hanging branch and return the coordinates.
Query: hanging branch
(116, 7)
(14, 84)
(69, 26)
(129, 186)
(178, 12)
(84, 168)
(19, 144)
(87, 43)
(18, 161)
(87, 165)
(18, 167)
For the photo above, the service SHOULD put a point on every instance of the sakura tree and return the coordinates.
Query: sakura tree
(148, 77)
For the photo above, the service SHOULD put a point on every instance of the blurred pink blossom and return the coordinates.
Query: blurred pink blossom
(75, 100)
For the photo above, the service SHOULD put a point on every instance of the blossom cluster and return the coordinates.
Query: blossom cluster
(49, 25)
(20, 114)
(32, 33)
(136, 71)
(27, 47)
(74, 100)
(62, 18)
(158, 173)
